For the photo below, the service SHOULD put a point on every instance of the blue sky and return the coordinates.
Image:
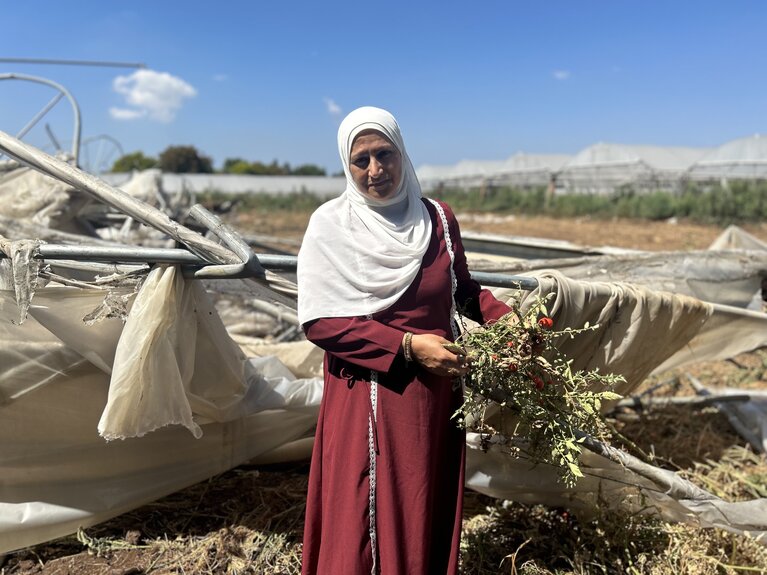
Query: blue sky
(479, 79)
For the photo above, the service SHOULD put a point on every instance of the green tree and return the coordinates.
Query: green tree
(273, 169)
(229, 162)
(240, 166)
(308, 170)
(259, 168)
(237, 166)
(134, 161)
(185, 160)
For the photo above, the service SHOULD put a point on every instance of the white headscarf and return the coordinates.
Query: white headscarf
(360, 254)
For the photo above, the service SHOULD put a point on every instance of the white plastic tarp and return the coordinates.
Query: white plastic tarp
(728, 277)
(59, 474)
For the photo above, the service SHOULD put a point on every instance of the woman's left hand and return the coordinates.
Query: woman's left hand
(429, 351)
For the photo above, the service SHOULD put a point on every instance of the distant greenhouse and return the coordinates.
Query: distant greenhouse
(603, 168)
(745, 158)
(606, 167)
(519, 170)
(530, 169)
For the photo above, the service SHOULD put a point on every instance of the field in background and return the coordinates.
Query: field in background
(741, 203)
(667, 235)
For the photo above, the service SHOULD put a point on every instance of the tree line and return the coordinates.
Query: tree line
(188, 160)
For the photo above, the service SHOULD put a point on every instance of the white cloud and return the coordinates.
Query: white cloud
(561, 74)
(333, 108)
(126, 113)
(220, 77)
(157, 95)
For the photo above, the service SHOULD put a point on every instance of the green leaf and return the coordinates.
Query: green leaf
(575, 470)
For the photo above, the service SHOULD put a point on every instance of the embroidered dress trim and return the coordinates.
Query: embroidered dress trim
(372, 418)
(453, 279)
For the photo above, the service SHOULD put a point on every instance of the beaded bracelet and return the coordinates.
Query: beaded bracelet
(407, 346)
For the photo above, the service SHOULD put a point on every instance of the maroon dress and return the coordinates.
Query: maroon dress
(419, 449)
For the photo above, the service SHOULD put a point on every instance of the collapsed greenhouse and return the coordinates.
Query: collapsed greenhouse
(131, 370)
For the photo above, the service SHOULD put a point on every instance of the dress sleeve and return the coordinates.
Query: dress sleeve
(365, 342)
(472, 300)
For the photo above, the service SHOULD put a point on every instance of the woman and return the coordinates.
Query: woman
(375, 291)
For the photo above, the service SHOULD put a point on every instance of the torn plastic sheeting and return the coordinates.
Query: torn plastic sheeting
(730, 272)
(175, 363)
(28, 195)
(736, 238)
(748, 418)
(627, 318)
(24, 271)
(671, 330)
(498, 475)
(58, 474)
(62, 311)
(33, 354)
(730, 277)
(163, 360)
(729, 331)
(155, 359)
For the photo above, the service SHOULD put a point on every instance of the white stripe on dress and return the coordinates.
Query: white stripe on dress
(372, 455)
(453, 279)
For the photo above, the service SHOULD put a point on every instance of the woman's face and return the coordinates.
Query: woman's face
(375, 165)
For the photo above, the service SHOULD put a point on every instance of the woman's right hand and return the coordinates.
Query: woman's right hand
(428, 350)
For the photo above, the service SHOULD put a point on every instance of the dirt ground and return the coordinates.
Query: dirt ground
(668, 235)
(197, 508)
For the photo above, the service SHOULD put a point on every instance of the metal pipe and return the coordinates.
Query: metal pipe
(139, 254)
(100, 268)
(730, 412)
(249, 266)
(118, 254)
(108, 138)
(115, 255)
(505, 280)
(275, 311)
(72, 101)
(53, 137)
(47, 108)
(116, 198)
(143, 255)
(73, 62)
(693, 401)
